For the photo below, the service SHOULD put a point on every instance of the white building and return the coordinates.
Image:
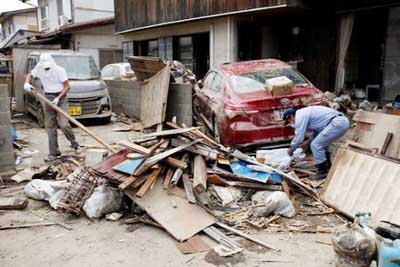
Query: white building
(82, 25)
(13, 21)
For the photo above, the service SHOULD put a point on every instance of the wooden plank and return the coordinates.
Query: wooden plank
(143, 150)
(168, 177)
(197, 149)
(359, 181)
(11, 203)
(181, 222)
(386, 144)
(145, 67)
(149, 182)
(194, 244)
(26, 225)
(131, 180)
(178, 172)
(248, 237)
(199, 174)
(73, 121)
(165, 133)
(188, 189)
(105, 167)
(153, 102)
(155, 159)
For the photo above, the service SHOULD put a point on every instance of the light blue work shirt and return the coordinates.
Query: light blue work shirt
(314, 118)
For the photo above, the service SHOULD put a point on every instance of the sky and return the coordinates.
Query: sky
(8, 5)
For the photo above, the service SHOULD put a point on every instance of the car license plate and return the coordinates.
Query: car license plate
(278, 114)
(75, 110)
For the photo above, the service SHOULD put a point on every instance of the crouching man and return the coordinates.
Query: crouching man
(327, 125)
(55, 84)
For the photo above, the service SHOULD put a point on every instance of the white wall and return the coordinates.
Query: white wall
(91, 40)
(93, 9)
(25, 21)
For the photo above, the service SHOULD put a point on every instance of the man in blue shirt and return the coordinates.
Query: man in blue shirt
(326, 124)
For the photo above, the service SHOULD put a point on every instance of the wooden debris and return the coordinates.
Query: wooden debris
(168, 177)
(149, 182)
(188, 189)
(141, 220)
(143, 150)
(242, 234)
(193, 245)
(165, 133)
(26, 225)
(178, 172)
(199, 174)
(13, 203)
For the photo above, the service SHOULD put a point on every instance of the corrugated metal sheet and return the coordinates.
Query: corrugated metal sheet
(132, 14)
(363, 182)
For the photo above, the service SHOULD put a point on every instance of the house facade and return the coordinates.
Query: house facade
(13, 21)
(326, 40)
(85, 26)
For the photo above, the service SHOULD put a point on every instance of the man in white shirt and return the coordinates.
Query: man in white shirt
(55, 84)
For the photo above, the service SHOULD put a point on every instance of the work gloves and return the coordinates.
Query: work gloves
(28, 87)
(55, 101)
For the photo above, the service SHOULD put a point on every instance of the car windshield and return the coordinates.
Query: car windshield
(78, 67)
(255, 81)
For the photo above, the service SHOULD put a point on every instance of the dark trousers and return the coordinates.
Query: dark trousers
(53, 120)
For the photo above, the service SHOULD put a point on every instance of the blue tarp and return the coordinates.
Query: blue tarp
(240, 168)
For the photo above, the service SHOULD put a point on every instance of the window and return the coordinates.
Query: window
(60, 9)
(152, 48)
(217, 83)
(31, 64)
(127, 50)
(44, 13)
(209, 79)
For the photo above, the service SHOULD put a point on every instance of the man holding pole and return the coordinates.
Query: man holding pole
(55, 84)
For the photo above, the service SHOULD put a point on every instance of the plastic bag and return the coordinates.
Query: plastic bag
(55, 199)
(43, 189)
(104, 200)
(276, 157)
(277, 203)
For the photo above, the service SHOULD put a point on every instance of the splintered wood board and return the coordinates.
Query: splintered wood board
(181, 222)
(373, 127)
(153, 102)
(105, 167)
(361, 182)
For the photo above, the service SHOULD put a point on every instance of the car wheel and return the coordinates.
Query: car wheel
(217, 135)
(40, 117)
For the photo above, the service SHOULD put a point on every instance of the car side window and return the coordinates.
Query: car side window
(209, 79)
(217, 83)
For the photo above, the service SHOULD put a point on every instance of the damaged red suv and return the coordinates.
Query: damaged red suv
(235, 105)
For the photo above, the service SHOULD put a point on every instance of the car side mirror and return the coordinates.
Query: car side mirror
(200, 84)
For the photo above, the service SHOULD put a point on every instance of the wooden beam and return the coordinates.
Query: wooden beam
(73, 121)
(188, 189)
(386, 144)
(168, 178)
(143, 150)
(155, 159)
(165, 133)
(178, 172)
(149, 182)
(199, 174)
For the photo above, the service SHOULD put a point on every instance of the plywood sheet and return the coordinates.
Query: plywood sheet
(181, 222)
(154, 97)
(363, 182)
(373, 127)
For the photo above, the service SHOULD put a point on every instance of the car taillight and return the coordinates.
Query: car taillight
(232, 113)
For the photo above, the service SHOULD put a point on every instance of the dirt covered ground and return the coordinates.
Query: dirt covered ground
(107, 243)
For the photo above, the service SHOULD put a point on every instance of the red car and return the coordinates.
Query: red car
(233, 101)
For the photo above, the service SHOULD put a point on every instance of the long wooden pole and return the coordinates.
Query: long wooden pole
(72, 120)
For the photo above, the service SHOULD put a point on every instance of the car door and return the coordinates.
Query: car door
(202, 95)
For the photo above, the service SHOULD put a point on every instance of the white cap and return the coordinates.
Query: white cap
(46, 61)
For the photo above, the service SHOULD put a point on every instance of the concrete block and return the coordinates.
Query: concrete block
(4, 104)
(4, 91)
(95, 155)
